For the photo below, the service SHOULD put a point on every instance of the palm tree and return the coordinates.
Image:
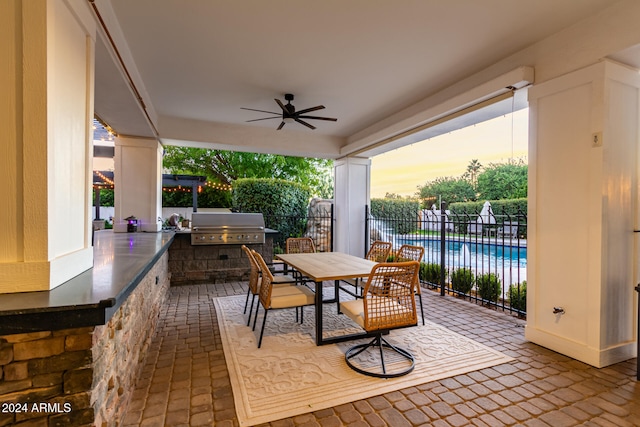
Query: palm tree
(473, 169)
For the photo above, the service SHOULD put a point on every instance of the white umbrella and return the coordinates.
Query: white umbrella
(486, 215)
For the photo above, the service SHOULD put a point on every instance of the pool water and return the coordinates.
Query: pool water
(508, 262)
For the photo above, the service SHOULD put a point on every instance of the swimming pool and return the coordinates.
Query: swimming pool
(480, 255)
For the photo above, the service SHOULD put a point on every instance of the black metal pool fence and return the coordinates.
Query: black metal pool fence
(481, 256)
(319, 228)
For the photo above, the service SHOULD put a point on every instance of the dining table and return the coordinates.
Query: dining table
(328, 266)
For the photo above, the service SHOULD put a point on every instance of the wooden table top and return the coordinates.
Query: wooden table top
(322, 266)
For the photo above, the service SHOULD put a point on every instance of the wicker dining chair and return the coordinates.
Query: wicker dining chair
(388, 303)
(255, 277)
(412, 253)
(300, 245)
(378, 252)
(272, 297)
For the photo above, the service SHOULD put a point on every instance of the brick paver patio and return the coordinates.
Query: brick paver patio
(184, 381)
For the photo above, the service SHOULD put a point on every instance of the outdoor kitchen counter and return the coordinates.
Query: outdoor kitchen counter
(120, 262)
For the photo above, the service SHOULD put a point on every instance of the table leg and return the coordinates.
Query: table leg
(319, 313)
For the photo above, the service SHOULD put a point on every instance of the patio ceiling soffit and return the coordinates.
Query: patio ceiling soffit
(426, 119)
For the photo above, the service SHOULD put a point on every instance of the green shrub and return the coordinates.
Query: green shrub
(401, 216)
(488, 286)
(284, 204)
(518, 296)
(106, 197)
(462, 280)
(430, 272)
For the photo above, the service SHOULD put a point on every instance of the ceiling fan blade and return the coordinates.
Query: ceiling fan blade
(281, 105)
(304, 123)
(308, 110)
(318, 118)
(281, 126)
(262, 111)
(264, 118)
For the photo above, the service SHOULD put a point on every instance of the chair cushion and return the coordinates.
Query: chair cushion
(354, 309)
(291, 296)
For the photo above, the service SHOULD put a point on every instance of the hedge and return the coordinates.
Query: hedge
(504, 210)
(512, 207)
(283, 203)
(401, 216)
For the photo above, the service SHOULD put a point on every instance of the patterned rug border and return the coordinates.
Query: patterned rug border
(314, 397)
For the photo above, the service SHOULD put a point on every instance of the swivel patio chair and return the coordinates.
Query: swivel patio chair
(273, 298)
(255, 277)
(388, 303)
(412, 253)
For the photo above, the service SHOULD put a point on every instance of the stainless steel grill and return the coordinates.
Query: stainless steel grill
(222, 228)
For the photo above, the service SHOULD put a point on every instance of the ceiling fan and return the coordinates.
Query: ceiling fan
(290, 115)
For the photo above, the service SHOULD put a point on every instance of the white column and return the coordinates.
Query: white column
(583, 208)
(352, 194)
(138, 183)
(47, 50)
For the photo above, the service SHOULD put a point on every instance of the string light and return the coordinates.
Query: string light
(109, 184)
(104, 178)
(218, 186)
(212, 185)
(106, 127)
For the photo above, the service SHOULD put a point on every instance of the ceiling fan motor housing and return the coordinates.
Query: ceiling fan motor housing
(289, 113)
(290, 108)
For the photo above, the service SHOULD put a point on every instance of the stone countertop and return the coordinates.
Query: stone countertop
(120, 262)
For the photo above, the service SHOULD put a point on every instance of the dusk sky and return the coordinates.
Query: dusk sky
(401, 171)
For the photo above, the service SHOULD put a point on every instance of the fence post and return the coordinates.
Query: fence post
(443, 244)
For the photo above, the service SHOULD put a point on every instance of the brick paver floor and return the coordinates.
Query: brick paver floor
(184, 380)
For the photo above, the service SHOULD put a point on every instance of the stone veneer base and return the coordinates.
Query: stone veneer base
(81, 376)
(205, 264)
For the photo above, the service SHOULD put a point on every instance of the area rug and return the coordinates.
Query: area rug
(289, 375)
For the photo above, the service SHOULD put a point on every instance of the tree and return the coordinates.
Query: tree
(225, 167)
(447, 189)
(106, 197)
(473, 169)
(207, 197)
(503, 181)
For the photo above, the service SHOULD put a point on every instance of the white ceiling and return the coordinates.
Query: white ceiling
(199, 61)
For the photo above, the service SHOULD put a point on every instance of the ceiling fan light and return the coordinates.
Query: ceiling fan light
(288, 120)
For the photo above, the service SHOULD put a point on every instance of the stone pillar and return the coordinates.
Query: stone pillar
(352, 194)
(138, 183)
(46, 109)
(583, 209)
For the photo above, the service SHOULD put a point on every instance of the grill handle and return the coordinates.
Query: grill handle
(225, 227)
